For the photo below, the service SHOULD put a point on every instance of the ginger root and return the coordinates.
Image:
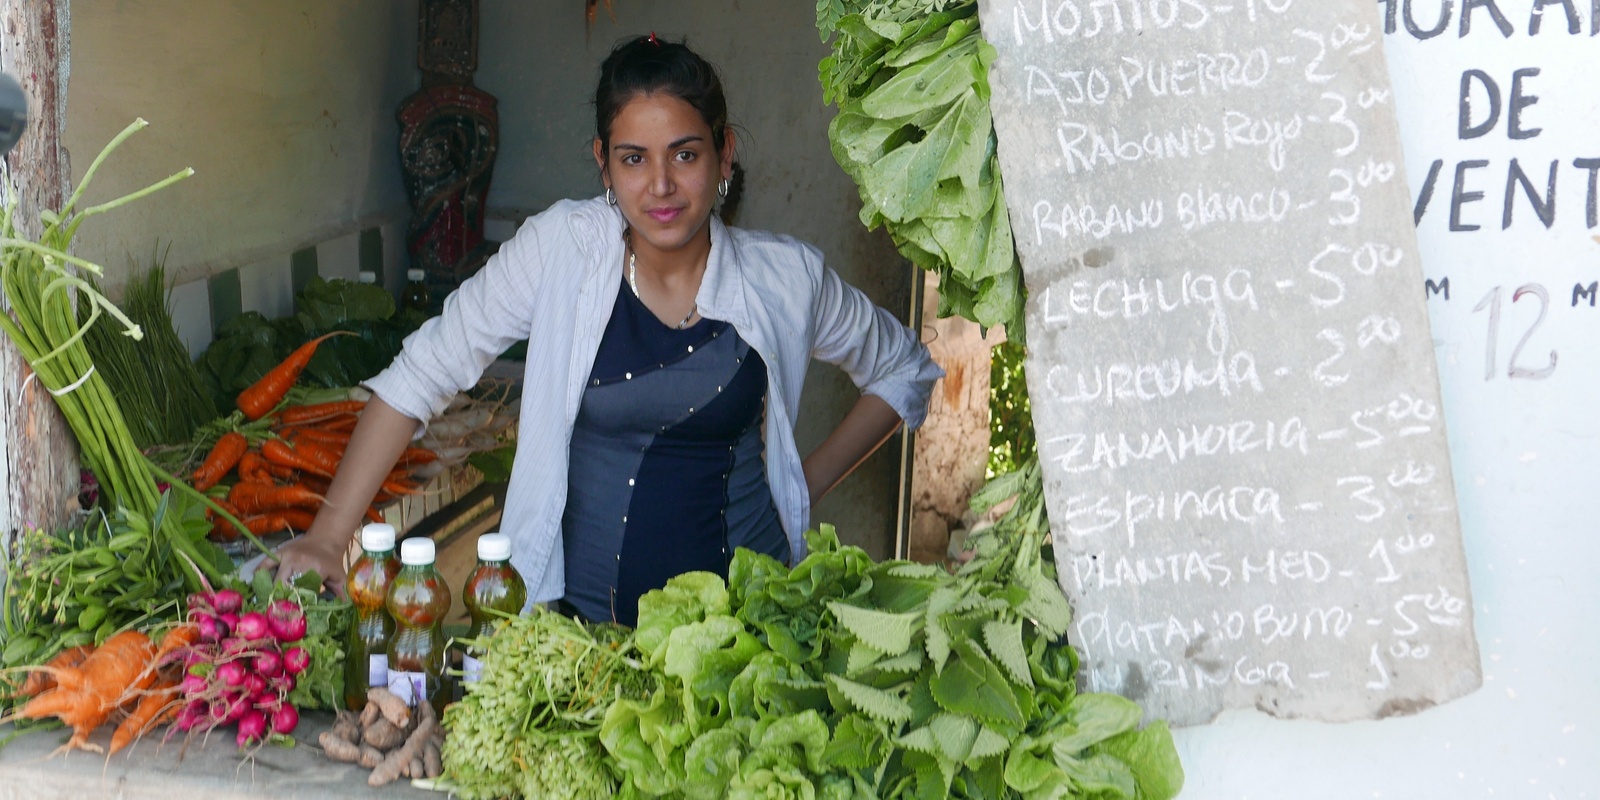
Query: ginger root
(391, 706)
(399, 760)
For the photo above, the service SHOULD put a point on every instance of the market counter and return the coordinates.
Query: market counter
(214, 770)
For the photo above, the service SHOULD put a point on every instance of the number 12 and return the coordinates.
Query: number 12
(1491, 301)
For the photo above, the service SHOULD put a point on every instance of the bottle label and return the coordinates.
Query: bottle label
(377, 670)
(411, 687)
(471, 669)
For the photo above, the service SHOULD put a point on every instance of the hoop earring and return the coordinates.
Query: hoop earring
(722, 188)
(611, 197)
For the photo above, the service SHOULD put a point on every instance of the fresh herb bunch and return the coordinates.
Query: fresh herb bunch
(530, 725)
(158, 387)
(910, 78)
(115, 572)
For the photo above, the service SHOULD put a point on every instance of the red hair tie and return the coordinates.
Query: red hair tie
(653, 40)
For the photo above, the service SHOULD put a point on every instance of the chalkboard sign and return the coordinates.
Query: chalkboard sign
(1232, 377)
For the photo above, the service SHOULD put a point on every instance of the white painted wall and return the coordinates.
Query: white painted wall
(1522, 448)
(284, 109)
(539, 63)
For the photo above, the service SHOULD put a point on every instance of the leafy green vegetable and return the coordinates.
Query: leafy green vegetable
(250, 345)
(840, 678)
(111, 573)
(910, 78)
(531, 725)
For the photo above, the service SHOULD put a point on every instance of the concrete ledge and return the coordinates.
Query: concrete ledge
(213, 770)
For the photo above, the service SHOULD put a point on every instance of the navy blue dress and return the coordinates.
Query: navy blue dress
(666, 473)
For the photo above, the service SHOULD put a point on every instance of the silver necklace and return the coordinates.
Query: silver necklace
(633, 283)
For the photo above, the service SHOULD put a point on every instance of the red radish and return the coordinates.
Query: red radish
(252, 728)
(230, 619)
(283, 684)
(211, 629)
(266, 702)
(268, 663)
(193, 715)
(292, 630)
(231, 673)
(228, 601)
(296, 660)
(285, 719)
(193, 685)
(287, 620)
(201, 602)
(253, 626)
(234, 705)
(254, 684)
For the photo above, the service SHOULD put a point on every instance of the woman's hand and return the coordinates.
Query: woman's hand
(306, 554)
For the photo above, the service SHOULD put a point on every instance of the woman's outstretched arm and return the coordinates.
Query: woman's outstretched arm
(375, 447)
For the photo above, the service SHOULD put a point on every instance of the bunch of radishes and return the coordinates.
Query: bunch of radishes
(243, 667)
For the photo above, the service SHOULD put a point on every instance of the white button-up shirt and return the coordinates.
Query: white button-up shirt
(555, 284)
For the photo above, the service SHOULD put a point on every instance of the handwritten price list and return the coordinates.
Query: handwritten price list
(1230, 366)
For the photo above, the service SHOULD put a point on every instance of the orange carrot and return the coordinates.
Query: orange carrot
(341, 439)
(221, 529)
(298, 518)
(253, 468)
(315, 483)
(224, 455)
(263, 524)
(298, 415)
(256, 498)
(417, 455)
(153, 709)
(344, 423)
(400, 487)
(177, 639)
(87, 694)
(373, 514)
(306, 457)
(45, 679)
(265, 394)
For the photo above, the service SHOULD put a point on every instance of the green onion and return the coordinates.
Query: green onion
(38, 279)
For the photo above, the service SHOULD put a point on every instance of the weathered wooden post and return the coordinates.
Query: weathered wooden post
(40, 468)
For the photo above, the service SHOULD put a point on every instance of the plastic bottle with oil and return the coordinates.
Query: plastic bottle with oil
(418, 600)
(367, 583)
(494, 586)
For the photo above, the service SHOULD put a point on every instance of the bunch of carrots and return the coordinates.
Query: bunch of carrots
(129, 675)
(281, 476)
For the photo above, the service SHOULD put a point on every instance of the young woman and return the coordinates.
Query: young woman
(665, 361)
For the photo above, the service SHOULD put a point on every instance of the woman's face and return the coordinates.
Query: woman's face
(664, 169)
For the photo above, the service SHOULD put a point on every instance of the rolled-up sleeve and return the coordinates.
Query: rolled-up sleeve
(484, 316)
(882, 356)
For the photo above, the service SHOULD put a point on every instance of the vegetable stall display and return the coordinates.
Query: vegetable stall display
(840, 678)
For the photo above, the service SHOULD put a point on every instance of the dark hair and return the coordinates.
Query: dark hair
(645, 64)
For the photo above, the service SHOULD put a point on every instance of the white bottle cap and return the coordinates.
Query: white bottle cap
(416, 552)
(494, 547)
(415, 275)
(377, 537)
(366, 276)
